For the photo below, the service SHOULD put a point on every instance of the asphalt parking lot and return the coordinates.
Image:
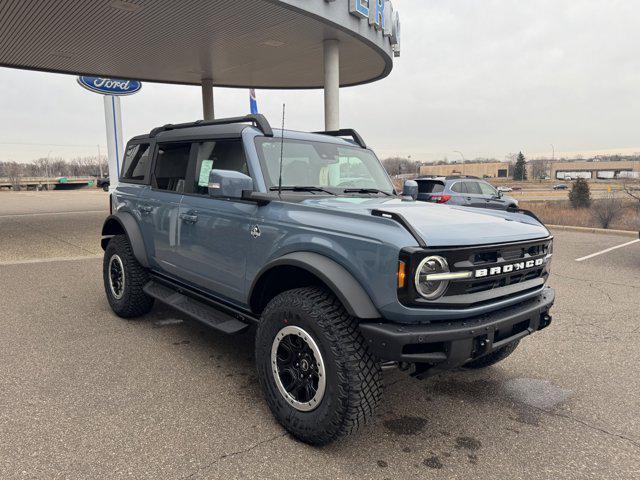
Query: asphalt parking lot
(84, 394)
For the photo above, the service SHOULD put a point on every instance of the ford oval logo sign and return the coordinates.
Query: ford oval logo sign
(110, 86)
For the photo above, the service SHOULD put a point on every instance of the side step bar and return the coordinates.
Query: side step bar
(214, 318)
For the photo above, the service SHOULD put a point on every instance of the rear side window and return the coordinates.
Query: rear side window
(459, 187)
(429, 186)
(473, 188)
(219, 155)
(171, 166)
(136, 162)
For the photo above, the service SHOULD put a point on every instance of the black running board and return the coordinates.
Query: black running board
(197, 310)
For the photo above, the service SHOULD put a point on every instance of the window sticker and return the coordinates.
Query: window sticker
(205, 170)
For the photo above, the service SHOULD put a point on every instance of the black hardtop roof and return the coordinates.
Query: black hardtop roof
(233, 127)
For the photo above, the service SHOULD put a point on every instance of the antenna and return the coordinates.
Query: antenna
(281, 153)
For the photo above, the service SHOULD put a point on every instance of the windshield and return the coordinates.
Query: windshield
(328, 166)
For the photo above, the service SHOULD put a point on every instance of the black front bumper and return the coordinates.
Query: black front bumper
(446, 345)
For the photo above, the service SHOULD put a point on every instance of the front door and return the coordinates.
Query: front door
(492, 198)
(474, 195)
(215, 234)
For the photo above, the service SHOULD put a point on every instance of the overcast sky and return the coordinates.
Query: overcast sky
(485, 77)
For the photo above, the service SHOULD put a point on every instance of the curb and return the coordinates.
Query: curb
(605, 231)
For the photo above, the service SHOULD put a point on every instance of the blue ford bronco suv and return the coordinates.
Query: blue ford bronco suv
(303, 235)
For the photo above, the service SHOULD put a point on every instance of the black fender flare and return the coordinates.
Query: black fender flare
(348, 290)
(124, 222)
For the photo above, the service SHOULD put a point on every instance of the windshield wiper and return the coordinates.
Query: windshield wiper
(366, 190)
(301, 188)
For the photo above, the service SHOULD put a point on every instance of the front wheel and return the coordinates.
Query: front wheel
(319, 380)
(124, 279)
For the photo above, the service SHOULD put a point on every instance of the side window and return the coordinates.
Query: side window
(219, 155)
(459, 187)
(488, 189)
(136, 162)
(473, 188)
(171, 166)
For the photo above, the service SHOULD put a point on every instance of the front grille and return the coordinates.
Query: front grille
(476, 286)
(496, 257)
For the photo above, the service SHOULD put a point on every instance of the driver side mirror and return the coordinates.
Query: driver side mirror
(410, 189)
(499, 194)
(228, 183)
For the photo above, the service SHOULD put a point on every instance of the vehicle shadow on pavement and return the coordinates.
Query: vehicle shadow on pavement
(440, 422)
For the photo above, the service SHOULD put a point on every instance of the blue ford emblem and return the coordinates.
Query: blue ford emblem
(110, 86)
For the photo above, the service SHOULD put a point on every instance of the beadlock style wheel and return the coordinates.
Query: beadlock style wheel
(298, 368)
(116, 277)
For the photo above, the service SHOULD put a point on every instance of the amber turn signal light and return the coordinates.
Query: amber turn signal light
(402, 275)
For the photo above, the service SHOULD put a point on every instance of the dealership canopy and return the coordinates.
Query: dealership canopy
(227, 43)
(248, 43)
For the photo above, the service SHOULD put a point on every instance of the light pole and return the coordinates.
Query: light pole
(100, 163)
(46, 168)
(463, 159)
(553, 159)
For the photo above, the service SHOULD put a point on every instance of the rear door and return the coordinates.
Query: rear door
(161, 205)
(459, 194)
(215, 233)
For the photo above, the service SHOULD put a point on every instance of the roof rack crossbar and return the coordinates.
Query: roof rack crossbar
(258, 120)
(346, 132)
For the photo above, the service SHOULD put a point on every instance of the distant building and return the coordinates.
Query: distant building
(481, 170)
(595, 170)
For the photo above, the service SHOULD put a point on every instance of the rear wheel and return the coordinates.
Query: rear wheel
(318, 378)
(124, 279)
(493, 357)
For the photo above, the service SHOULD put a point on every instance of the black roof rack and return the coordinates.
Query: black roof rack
(454, 177)
(346, 132)
(258, 120)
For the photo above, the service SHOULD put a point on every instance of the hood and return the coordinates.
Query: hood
(445, 225)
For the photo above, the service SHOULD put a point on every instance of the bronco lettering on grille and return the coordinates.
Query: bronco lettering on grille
(512, 267)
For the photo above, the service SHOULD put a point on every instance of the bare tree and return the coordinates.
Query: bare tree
(14, 173)
(397, 165)
(607, 210)
(632, 190)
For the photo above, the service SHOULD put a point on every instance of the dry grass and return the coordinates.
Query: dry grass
(561, 213)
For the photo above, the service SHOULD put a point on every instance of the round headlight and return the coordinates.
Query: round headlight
(431, 289)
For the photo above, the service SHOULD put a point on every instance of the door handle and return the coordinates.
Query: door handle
(146, 209)
(188, 218)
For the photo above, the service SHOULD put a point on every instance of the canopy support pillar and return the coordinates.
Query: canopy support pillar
(331, 84)
(207, 99)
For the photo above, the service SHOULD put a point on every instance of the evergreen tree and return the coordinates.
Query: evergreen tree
(580, 194)
(520, 170)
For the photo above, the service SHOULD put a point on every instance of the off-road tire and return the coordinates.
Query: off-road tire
(353, 376)
(494, 357)
(134, 302)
